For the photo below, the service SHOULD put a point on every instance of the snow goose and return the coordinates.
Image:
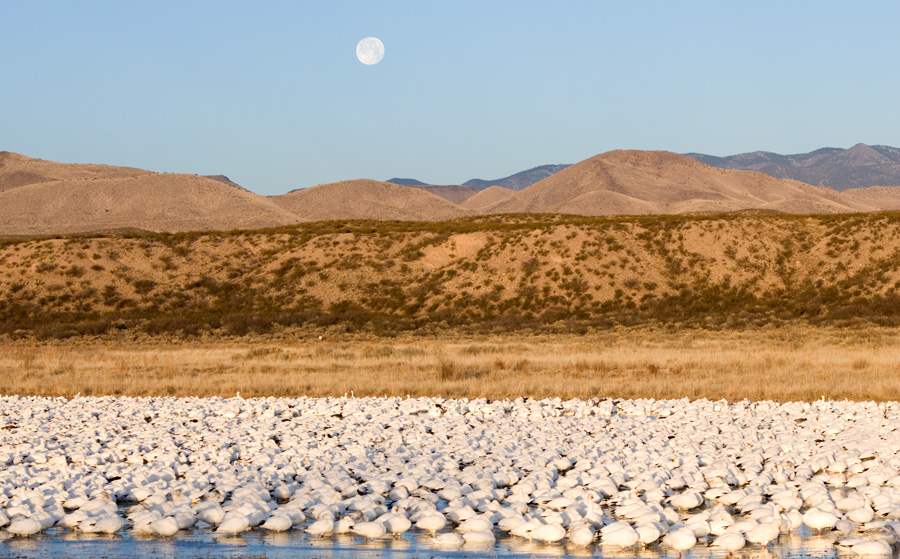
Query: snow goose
(481, 537)
(622, 537)
(369, 530)
(680, 540)
(24, 526)
(580, 535)
(729, 542)
(819, 520)
(165, 527)
(431, 523)
(278, 522)
(548, 533)
(321, 528)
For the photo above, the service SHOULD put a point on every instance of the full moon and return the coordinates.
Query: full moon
(370, 51)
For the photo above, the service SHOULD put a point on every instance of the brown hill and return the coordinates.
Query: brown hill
(43, 197)
(150, 201)
(455, 193)
(887, 197)
(367, 199)
(659, 182)
(18, 170)
(487, 197)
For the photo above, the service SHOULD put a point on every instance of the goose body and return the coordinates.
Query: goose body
(872, 548)
(819, 520)
(548, 533)
(165, 527)
(321, 528)
(448, 539)
(580, 535)
(680, 540)
(479, 537)
(729, 542)
(432, 523)
(278, 523)
(234, 525)
(369, 530)
(24, 527)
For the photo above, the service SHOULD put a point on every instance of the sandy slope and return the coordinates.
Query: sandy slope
(153, 202)
(18, 170)
(662, 182)
(367, 199)
(487, 197)
(888, 197)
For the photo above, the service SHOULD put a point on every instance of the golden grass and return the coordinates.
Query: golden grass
(792, 363)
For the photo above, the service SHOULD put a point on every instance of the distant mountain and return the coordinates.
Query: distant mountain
(407, 182)
(840, 169)
(520, 180)
(224, 180)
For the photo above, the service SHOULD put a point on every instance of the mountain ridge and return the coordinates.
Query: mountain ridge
(40, 197)
(859, 166)
(516, 181)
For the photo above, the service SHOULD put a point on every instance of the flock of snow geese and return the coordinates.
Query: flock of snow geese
(628, 474)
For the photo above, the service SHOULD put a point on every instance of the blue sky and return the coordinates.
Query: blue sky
(272, 95)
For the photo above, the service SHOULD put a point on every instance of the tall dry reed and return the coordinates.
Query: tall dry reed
(793, 363)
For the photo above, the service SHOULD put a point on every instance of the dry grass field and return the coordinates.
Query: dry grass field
(791, 362)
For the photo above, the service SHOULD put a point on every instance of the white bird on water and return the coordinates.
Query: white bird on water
(24, 527)
(432, 523)
(580, 535)
(543, 469)
(234, 525)
(819, 520)
(730, 542)
(369, 530)
(680, 540)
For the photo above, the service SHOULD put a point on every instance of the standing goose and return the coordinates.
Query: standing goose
(369, 530)
(819, 520)
(730, 542)
(680, 540)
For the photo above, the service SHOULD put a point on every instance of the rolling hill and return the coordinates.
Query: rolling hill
(455, 193)
(40, 197)
(487, 197)
(367, 199)
(659, 182)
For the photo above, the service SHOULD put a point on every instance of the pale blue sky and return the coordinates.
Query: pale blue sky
(271, 93)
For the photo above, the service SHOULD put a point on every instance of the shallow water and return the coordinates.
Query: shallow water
(202, 544)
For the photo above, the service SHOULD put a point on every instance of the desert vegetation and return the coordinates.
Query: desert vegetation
(521, 273)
